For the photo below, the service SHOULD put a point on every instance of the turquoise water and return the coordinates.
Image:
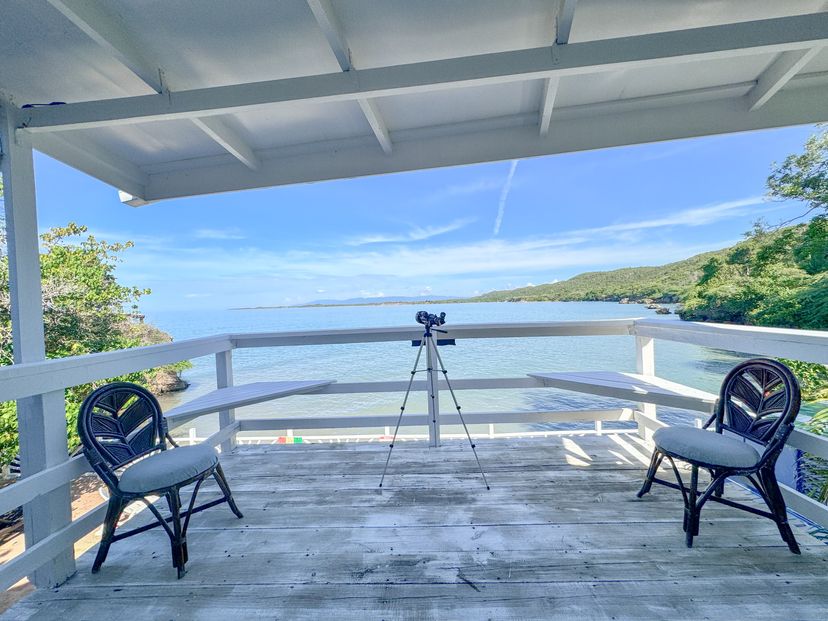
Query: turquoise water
(696, 366)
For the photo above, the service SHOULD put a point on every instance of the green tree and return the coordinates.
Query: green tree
(84, 311)
(804, 176)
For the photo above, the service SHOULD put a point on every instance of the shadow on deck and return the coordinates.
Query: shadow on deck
(560, 535)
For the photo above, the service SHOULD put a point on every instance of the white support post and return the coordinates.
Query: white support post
(645, 365)
(432, 387)
(41, 418)
(224, 379)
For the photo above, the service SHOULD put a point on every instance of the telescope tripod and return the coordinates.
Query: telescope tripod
(430, 345)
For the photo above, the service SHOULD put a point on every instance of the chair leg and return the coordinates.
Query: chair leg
(655, 461)
(218, 473)
(177, 541)
(113, 512)
(691, 512)
(718, 491)
(776, 504)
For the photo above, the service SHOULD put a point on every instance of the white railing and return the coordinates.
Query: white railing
(32, 380)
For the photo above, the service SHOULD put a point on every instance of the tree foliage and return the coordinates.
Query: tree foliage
(85, 310)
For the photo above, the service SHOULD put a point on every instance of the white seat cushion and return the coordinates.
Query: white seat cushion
(706, 447)
(167, 468)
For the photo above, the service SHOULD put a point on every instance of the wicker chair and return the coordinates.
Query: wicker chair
(757, 405)
(121, 426)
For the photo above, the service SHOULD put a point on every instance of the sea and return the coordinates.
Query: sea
(700, 367)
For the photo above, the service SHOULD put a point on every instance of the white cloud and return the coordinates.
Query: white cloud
(696, 216)
(376, 270)
(504, 194)
(416, 233)
(218, 234)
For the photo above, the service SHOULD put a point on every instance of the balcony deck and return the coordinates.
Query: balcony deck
(560, 535)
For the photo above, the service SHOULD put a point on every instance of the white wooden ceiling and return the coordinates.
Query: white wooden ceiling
(166, 99)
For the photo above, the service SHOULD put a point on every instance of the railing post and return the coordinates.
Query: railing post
(432, 386)
(645, 365)
(41, 418)
(224, 379)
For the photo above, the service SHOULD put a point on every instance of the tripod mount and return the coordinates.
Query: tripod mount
(428, 343)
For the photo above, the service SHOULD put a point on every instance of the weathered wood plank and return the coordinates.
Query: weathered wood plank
(551, 540)
(240, 396)
(717, 599)
(631, 387)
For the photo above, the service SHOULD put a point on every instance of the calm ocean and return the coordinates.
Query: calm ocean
(696, 366)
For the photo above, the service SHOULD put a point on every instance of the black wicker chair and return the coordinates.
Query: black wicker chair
(757, 405)
(121, 426)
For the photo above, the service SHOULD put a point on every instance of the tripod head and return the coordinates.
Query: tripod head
(430, 319)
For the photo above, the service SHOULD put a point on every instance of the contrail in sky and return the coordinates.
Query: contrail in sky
(504, 194)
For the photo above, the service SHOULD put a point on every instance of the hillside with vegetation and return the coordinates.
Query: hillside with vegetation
(664, 283)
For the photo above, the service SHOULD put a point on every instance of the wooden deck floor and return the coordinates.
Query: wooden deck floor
(559, 536)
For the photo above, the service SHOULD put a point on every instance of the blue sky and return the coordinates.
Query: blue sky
(452, 231)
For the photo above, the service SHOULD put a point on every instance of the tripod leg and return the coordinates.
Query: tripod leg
(402, 409)
(459, 413)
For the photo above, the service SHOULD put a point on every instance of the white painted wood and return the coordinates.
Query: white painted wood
(805, 345)
(566, 15)
(111, 34)
(458, 331)
(675, 116)
(222, 436)
(228, 138)
(644, 355)
(239, 396)
(804, 505)
(325, 16)
(550, 91)
(375, 120)
(422, 419)
(486, 383)
(224, 379)
(432, 395)
(778, 74)
(44, 550)
(28, 488)
(85, 155)
(41, 418)
(810, 443)
(645, 365)
(631, 387)
(108, 31)
(24, 380)
(328, 21)
(707, 43)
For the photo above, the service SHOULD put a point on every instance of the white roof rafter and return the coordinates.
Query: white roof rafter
(563, 28)
(582, 128)
(328, 22)
(667, 48)
(113, 37)
(778, 74)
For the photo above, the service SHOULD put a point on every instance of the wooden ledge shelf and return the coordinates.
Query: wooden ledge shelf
(630, 387)
(240, 396)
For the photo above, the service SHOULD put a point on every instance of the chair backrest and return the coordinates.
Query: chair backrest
(117, 424)
(759, 401)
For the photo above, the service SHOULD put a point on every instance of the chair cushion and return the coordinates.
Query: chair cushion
(706, 447)
(167, 468)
